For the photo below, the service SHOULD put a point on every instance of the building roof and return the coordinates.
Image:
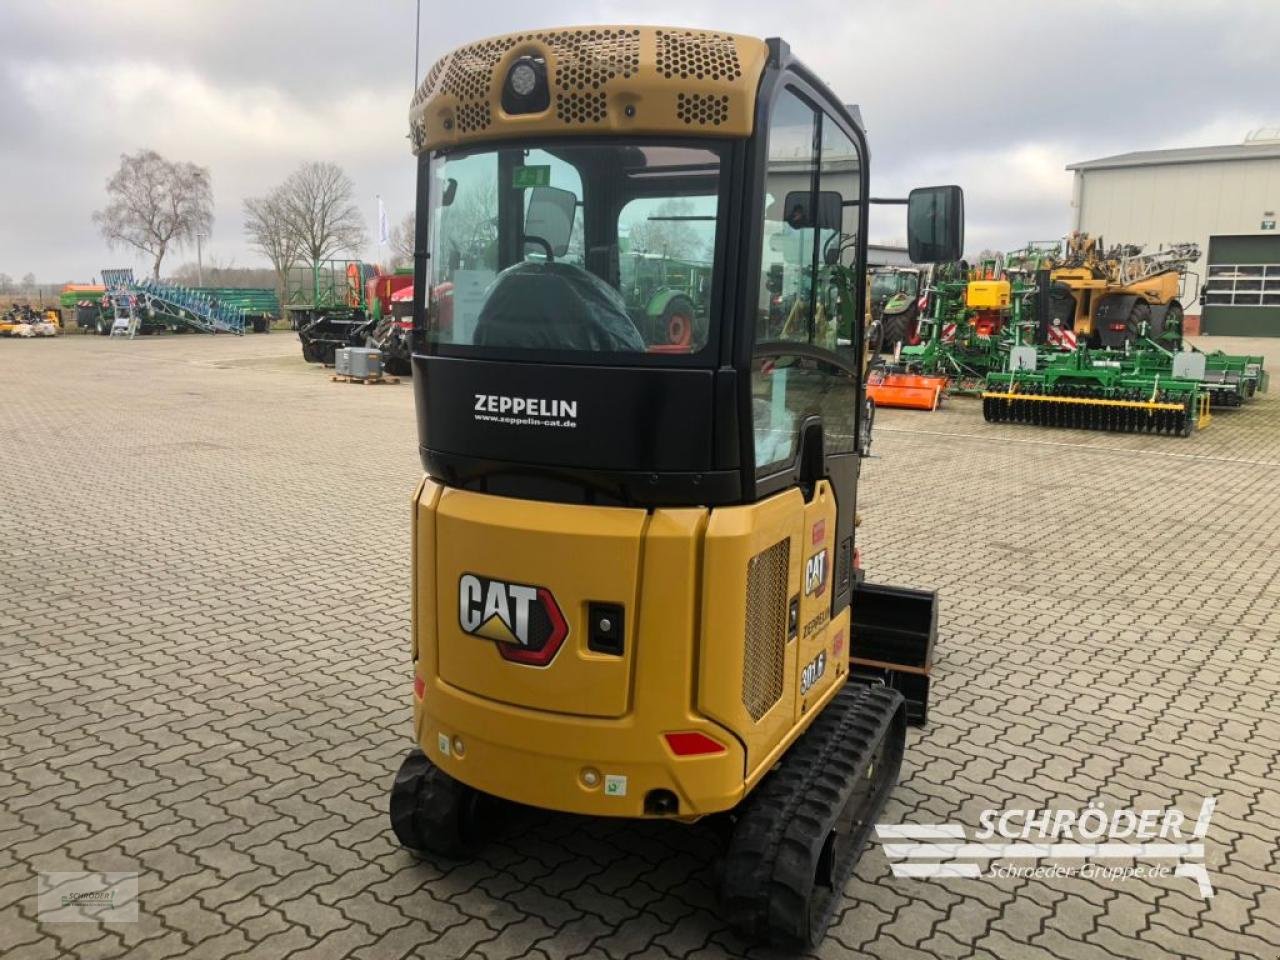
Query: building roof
(1155, 158)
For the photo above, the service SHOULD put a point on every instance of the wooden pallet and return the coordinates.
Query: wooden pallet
(343, 378)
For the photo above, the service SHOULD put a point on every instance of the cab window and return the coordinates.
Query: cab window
(579, 249)
(812, 204)
(786, 260)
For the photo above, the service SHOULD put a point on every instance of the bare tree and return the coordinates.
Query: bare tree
(402, 235)
(154, 203)
(469, 228)
(6, 283)
(321, 213)
(28, 284)
(662, 233)
(266, 224)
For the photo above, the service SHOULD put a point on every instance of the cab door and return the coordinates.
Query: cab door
(807, 361)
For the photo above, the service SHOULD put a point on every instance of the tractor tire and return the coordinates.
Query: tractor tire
(678, 325)
(398, 367)
(898, 328)
(433, 813)
(800, 832)
(1138, 316)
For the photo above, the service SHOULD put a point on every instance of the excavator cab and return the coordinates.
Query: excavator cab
(636, 583)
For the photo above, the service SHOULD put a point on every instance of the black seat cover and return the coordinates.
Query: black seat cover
(555, 306)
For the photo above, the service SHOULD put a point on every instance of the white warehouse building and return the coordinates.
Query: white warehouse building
(1224, 198)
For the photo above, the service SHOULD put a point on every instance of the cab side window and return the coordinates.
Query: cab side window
(786, 261)
(812, 202)
(839, 185)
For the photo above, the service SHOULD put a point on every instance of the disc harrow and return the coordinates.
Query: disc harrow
(1089, 407)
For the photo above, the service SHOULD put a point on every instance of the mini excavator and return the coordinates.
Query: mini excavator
(637, 590)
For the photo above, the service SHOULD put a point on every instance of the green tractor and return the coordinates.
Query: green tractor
(896, 298)
(667, 297)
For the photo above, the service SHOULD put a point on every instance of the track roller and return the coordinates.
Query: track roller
(433, 813)
(800, 832)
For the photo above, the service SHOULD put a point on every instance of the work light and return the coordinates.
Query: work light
(525, 90)
(523, 78)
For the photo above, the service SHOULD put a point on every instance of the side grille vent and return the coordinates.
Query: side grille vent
(765, 642)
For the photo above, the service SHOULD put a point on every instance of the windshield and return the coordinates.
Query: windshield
(885, 284)
(607, 248)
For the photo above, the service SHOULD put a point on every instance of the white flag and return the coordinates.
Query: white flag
(383, 234)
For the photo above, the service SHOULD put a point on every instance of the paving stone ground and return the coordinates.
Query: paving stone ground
(204, 640)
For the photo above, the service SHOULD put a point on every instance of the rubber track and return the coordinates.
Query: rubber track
(424, 808)
(776, 843)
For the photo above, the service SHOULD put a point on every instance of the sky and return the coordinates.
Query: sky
(996, 96)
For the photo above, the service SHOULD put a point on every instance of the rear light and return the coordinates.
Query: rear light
(1118, 327)
(691, 743)
(419, 687)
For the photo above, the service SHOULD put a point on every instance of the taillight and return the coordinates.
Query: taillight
(691, 743)
(1118, 327)
(419, 687)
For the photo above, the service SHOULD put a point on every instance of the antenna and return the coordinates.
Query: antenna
(417, 39)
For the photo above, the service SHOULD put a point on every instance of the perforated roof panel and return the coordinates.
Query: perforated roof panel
(641, 80)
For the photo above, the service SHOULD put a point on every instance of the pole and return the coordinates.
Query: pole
(417, 38)
(199, 262)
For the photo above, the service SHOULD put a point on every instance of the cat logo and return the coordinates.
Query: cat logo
(815, 574)
(524, 621)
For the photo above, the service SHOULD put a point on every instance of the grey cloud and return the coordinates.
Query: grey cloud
(997, 96)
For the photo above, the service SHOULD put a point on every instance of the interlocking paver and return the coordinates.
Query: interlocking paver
(204, 678)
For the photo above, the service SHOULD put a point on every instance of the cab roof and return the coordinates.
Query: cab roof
(612, 80)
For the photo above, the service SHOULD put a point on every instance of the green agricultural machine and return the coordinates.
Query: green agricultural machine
(973, 321)
(897, 304)
(1233, 378)
(326, 305)
(1094, 390)
(667, 297)
(1158, 384)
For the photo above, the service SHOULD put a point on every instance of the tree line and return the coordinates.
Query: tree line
(155, 204)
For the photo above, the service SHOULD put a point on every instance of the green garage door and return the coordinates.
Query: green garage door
(1242, 287)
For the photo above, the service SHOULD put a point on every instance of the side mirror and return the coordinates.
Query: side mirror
(549, 217)
(935, 224)
(797, 212)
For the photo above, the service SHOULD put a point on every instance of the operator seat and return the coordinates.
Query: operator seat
(555, 306)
